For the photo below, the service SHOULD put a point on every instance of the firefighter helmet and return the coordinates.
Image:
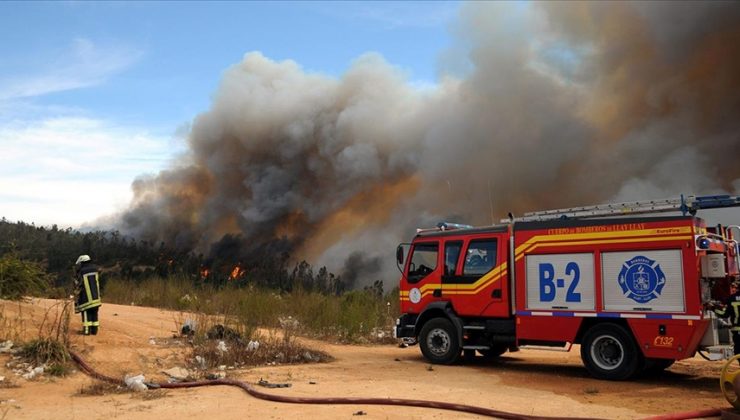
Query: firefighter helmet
(81, 259)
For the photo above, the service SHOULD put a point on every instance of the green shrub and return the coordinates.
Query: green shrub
(19, 278)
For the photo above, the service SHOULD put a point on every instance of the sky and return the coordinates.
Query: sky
(95, 94)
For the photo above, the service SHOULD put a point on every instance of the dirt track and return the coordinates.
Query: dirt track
(530, 382)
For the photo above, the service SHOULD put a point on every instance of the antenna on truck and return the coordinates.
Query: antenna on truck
(686, 205)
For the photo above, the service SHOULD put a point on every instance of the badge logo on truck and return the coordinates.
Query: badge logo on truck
(641, 279)
(415, 295)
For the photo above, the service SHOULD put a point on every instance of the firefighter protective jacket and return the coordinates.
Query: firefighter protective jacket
(732, 311)
(89, 288)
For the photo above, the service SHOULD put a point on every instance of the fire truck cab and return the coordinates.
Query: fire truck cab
(633, 292)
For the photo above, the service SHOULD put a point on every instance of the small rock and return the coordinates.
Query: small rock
(152, 341)
(6, 347)
(222, 367)
(216, 375)
(253, 345)
(188, 328)
(222, 347)
(359, 413)
(307, 356)
(311, 383)
(177, 373)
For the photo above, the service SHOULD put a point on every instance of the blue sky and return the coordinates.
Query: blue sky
(94, 94)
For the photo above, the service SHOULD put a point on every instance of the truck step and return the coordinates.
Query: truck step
(476, 348)
(564, 349)
(474, 327)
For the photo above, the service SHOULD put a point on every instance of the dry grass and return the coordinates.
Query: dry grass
(12, 327)
(50, 347)
(8, 383)
(152, 394)
(99, 388)
(360, 316)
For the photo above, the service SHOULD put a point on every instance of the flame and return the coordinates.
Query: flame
(204, 271)
(236, 272)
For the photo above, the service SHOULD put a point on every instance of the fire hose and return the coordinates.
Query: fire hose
(249, 389)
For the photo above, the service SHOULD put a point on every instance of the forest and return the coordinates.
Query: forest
(55, 250)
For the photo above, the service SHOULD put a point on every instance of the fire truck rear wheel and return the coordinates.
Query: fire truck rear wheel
(609, 352)
(439, 341)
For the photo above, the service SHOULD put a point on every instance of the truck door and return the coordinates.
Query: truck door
(480, 278)
(423, 275)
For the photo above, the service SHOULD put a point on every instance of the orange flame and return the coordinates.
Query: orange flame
(236, 272)
(204, 271)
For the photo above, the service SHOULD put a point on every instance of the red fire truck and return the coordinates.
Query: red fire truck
(631, 288)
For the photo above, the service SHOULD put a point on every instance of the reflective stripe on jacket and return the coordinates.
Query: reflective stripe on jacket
(731, 310)
(89, 292)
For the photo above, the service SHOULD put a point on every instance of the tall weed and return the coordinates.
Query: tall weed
(356, 316)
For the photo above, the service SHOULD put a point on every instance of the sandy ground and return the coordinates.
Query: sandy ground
(532, 382)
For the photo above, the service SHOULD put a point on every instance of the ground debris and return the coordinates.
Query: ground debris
(177, 374)
(267, 384)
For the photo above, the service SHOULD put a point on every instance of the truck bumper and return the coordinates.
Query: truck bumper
(405, 326)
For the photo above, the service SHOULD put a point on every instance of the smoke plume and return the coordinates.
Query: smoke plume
(538, 105)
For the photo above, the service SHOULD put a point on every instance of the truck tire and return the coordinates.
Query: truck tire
(439, 341)
(609, 352)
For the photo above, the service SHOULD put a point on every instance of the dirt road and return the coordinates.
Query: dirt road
(529, 382)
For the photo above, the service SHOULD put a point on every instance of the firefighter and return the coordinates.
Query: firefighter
(87, 281)
(731, 309)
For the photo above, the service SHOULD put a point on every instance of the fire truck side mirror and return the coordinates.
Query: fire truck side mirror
(399, 255)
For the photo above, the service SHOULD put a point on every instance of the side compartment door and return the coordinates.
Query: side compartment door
(560, 282)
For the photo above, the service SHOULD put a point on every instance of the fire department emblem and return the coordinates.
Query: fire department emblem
(641, 279)
(415, 295)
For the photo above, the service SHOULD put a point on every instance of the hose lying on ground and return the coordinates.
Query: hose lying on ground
(318, 400)
(697, 414)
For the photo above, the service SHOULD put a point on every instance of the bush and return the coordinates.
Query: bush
(20, 278)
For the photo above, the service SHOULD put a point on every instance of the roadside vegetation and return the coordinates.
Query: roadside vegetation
(233, 311)
(365, 315)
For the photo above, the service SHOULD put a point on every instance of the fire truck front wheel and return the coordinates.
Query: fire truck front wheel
(439, 342)
(609, 352)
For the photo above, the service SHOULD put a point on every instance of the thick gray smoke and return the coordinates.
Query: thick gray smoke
(538, 106)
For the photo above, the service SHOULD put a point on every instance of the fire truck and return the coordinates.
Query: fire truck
(629, 284)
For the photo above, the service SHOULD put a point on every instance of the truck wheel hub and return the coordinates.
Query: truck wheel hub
(607, 352)
(438, 341)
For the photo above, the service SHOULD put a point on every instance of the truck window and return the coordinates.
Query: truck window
(480, 257)
(452, 252)
(423, 261)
